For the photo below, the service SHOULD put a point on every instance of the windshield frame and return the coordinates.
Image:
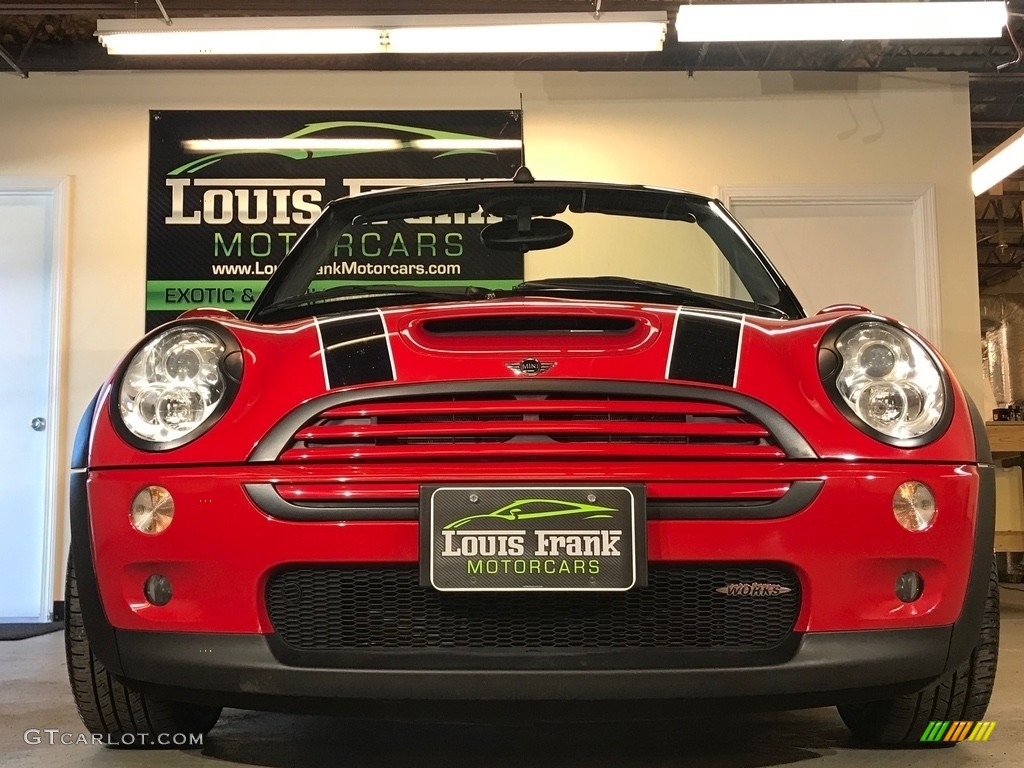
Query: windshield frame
(294, 269)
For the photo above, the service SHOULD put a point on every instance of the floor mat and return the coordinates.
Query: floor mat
(21, 631)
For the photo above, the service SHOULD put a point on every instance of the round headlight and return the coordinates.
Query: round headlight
(173, 385)
(889, 381)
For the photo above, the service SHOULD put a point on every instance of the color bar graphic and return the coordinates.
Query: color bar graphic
(958, 730)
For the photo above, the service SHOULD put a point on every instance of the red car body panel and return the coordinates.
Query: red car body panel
(845, 546)
(284, 368)
(848, 557)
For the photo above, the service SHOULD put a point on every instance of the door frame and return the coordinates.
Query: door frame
(58, 190)
(919, 197)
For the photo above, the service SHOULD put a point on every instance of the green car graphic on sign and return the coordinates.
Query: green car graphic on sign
(406, 136)
(521, 510)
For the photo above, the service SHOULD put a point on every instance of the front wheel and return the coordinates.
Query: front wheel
(109, 708)
(962, 695)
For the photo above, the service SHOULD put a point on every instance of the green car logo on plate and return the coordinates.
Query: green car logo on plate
(532, 509)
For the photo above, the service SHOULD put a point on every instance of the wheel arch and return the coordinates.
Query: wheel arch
(98, 629)
(968, 627)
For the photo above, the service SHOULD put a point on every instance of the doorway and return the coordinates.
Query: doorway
(872, 245)
(32, 226)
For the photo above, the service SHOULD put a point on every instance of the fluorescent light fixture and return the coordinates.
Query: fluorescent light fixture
(483, 33)
(368, 145)
(840, 21)
(450, 144)
(530, 33)
(998, 164)
(278, 35)
(285, 145)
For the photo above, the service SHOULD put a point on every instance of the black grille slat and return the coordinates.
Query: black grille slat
(294, 437)
(686, 423)
(352, 608)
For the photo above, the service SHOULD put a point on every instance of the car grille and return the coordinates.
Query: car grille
(530, 425)
(362, 608)
(365, 454)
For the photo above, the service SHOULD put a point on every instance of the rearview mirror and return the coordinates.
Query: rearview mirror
(536, 235)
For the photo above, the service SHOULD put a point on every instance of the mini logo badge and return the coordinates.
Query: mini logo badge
(753, 589)
(531, 366)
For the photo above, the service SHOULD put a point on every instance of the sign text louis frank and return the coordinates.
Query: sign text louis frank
(546, 543)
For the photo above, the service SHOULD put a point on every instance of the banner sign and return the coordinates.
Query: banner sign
(230, 191)
(445, 250)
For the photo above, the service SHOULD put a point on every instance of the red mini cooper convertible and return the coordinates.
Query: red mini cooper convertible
(539, 441)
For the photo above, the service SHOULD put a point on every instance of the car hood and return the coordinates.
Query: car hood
(517, 344)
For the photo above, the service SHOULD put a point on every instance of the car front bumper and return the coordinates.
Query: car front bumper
(843, 546)
(851, 640)
(243, 670)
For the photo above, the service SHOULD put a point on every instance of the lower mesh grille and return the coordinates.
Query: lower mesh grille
(345, 609)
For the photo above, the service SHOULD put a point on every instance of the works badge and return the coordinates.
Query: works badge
(753, 589)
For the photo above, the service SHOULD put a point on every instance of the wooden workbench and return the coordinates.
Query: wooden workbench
(1006, 438)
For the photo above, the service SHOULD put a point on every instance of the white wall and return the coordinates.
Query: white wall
(666, 129)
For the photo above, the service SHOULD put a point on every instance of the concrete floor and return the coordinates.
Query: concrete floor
(34, 694)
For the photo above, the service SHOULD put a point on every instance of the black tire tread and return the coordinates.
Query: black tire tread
(110, 708)
(963, 694)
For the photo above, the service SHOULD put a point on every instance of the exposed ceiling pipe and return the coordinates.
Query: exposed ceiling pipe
(13, 64)
(163, 12)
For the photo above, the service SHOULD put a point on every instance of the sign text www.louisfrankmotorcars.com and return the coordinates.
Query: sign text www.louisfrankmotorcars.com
(221, 219)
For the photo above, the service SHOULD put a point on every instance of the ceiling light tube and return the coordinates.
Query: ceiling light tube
(743, 22)
(287, 145)
(356, 144)
(1005, 159)
(530, 33)
(455, 144)
(478, 33)
(231, 36)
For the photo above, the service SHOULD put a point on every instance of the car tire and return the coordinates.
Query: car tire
(112, 710)
(962, 695)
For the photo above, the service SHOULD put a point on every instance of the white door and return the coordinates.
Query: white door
(27, 249)
(873, 246)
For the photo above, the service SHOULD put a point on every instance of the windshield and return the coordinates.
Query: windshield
(492, 241)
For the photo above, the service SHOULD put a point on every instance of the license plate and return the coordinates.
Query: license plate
(554, 538)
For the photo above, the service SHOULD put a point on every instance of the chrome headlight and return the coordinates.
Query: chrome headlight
(888, 383)
(174, 386)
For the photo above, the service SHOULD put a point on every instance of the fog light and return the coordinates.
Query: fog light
(152, 510)
(157, 589)
(914, 506)
(909, 586)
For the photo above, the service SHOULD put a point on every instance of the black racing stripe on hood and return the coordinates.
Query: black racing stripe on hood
(705, 349)
(355, 350)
